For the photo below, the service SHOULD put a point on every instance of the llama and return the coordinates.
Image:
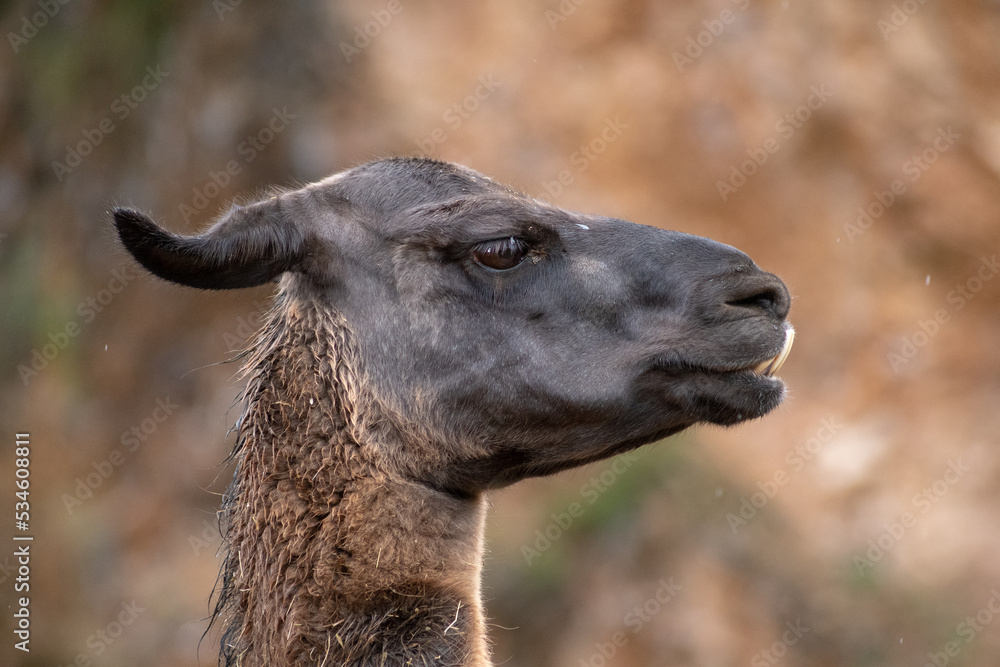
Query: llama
(436, 335)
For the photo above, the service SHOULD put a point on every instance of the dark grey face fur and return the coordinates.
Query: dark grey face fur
(535, 338)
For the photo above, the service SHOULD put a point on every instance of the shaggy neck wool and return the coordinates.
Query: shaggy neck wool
(333, 557)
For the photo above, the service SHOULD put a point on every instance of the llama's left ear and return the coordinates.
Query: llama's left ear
(247, 247)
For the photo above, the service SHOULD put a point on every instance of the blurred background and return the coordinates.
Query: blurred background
(852, 147)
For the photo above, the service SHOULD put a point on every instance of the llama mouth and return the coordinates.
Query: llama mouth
(735, 396)
(769, 367)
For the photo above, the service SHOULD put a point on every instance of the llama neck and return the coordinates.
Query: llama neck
(333, 559)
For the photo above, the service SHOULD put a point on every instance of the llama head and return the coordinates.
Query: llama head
(499, 336)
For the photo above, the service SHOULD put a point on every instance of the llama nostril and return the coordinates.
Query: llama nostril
(765, 300)
(765, 294)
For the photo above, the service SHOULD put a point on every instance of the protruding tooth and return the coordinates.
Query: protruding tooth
(772, 365)
(763, 367)
(785, 351)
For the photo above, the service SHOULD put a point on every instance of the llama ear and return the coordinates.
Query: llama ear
(248, 247)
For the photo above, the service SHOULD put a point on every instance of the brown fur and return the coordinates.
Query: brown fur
(333, 557)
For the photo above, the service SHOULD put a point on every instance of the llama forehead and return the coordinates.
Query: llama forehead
(409, 182)
(398, 195)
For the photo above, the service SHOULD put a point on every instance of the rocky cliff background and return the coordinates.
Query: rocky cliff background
(851, 147)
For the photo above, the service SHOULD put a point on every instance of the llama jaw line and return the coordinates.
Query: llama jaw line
(771, 366)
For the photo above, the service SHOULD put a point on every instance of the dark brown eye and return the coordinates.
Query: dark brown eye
(501, 254)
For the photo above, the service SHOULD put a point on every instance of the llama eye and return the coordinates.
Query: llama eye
(501, 254)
